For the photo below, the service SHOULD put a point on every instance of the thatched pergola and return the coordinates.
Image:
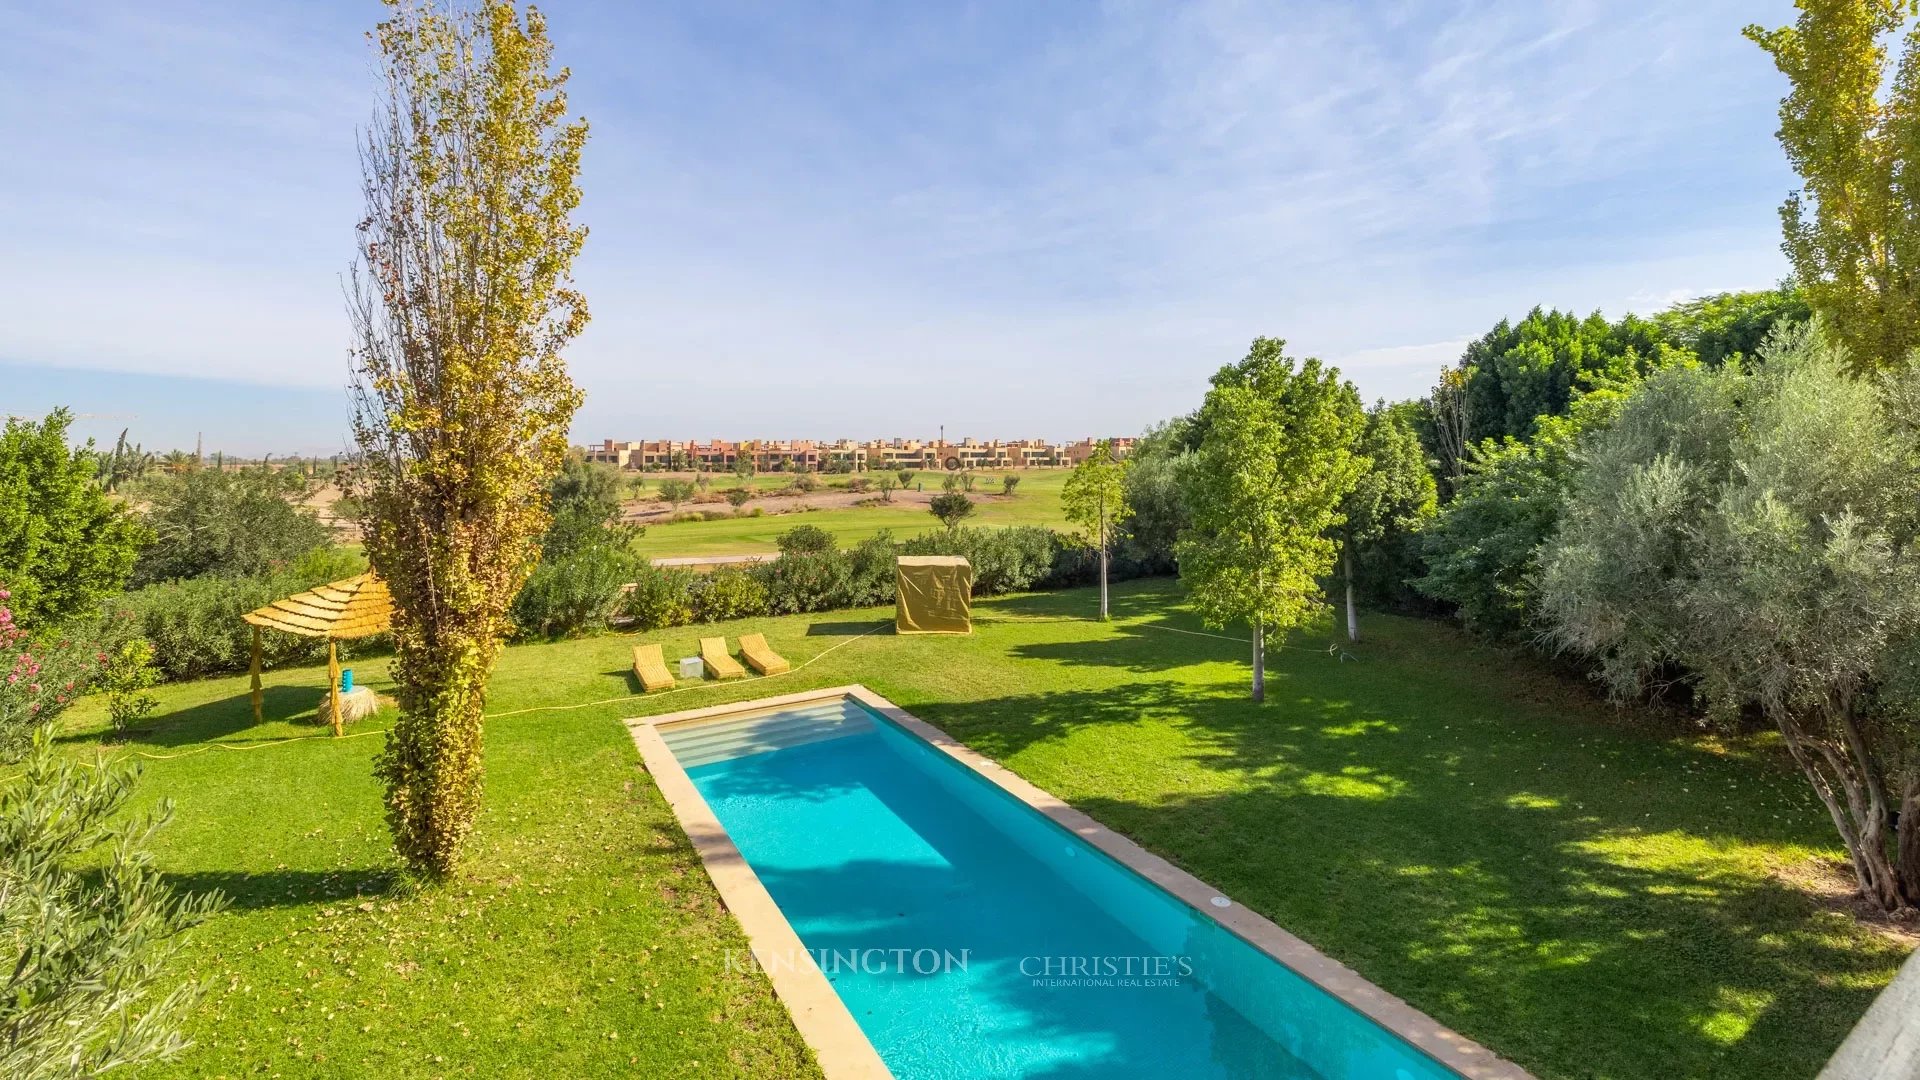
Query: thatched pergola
(338, 611)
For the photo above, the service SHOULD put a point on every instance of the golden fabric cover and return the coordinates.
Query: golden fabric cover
(933, 595)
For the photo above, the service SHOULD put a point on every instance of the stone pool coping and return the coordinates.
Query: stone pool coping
(843, 1050)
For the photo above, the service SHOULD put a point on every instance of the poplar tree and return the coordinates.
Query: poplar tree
(462, 303)
(1851, 128)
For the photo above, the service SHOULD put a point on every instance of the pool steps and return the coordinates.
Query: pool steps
(703, 743)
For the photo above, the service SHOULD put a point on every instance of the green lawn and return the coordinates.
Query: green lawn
(1585, 897)
(1036, 501)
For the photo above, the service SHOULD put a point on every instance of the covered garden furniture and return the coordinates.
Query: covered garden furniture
(933, 595)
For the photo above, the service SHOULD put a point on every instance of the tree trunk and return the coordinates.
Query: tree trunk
(1353, 615)
(1858, 813)
(1103, 572)
(1907, 840)
(1259, 662)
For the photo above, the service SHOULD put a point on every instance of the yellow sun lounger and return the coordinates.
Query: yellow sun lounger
(761, 658)
(713, 650)
(651, 668)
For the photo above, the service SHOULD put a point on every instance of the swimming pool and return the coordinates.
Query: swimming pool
(970, 934)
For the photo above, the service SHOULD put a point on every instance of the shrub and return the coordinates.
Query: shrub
(727, 593)
(805, 539)
(870, 572)
(804, 580)
(737, 497)
(93, 922)
(38, 680)
(128, 679)
(1003, 560)
(574, 592)
(951, 508)
(661, 596)
(905, 476)
(1008, 483)
(805, 482)
(194, 624)
(859, 484)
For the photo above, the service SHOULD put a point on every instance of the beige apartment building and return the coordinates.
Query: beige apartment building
(845, 455)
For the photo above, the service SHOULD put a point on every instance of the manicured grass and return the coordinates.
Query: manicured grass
(1036, 501)
(1585, 896)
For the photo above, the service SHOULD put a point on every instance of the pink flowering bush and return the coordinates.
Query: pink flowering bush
(39, 678)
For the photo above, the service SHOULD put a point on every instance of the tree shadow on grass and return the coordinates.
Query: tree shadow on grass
(847, 629)
(1576, 896)
(221, 719)
(287, 888)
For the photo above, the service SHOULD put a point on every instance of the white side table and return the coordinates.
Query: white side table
(692, 667)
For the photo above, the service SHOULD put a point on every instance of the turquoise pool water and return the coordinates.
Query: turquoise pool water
(972, 937)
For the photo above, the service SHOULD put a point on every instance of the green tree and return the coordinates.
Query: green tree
(1482, 548)
(1725, 325)
(1538, 366)
(905, 477)
(463, 305)
(88, 922)
(675, 492)
(1095, 499)
(584, 501)
(1394, 496)
(738, 497)
(127, 462)
(887, 484)
(1156, 482)
(1274, 468)
(951, 508)
(1008, 483)
(226, 524)
(1851, 129)
(1757, 535)
(64, 545)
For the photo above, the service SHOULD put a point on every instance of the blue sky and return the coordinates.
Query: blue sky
(875, 218)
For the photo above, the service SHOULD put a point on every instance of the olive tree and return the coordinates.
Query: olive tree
(1274, 467)
(1756, 533)
(462, 305)
(88, 925)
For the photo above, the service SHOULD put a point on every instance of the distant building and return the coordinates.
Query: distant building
(845, 455)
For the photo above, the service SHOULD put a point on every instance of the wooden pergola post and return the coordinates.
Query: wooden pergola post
(254, 670)
(333, 687)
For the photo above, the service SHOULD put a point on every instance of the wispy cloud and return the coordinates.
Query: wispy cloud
(1062, 216)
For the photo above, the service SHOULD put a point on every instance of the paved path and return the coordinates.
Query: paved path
(710, 560)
